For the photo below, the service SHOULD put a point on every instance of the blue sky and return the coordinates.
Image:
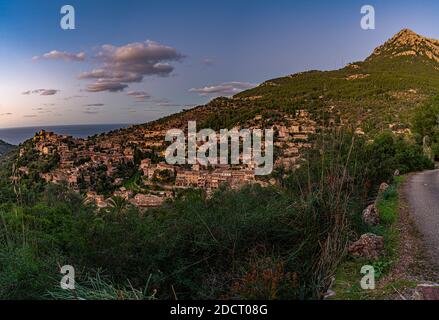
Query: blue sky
(191, 51)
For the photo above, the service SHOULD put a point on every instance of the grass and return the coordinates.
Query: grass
(348, 277)
(100, 288)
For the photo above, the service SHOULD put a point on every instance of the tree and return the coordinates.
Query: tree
(118, 204)
(426, 124)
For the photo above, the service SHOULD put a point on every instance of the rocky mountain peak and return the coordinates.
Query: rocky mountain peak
(408, 43)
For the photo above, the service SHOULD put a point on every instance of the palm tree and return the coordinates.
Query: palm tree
(118, 204)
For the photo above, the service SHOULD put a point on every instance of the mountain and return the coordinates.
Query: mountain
(5, 148)
(408, 43)
(371, 95)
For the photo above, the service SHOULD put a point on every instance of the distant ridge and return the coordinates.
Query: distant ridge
(16, 136)
(5, 147)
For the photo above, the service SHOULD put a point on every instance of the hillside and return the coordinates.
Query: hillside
(5, 147)
(383, 90)
(378, 94)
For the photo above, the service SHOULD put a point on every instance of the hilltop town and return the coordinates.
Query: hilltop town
(130, 164)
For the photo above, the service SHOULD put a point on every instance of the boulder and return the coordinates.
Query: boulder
(369, 246)
(371, 215)
(383, 188)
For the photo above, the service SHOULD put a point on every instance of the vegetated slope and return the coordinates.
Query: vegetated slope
(384, 89)
(5, 148)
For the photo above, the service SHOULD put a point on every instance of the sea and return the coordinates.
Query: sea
(16, 136)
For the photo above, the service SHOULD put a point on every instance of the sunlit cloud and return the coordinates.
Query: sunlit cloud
(94, 105)
(100, 86)
(91, 111)
(58, 55)
(93, 108)
(139, 95)
(74, 97)
(224, 89)
(130, 63)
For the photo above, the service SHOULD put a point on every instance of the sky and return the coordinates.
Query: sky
(135, 61)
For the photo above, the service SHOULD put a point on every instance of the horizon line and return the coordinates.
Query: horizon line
(71, 125)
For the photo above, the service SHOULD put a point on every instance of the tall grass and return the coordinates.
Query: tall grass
(100, 288)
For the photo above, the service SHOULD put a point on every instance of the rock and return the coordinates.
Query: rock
(371, 215)
(427, 291)
(357, 76)
(396, 173)
(369, 246)
(329, 294)
(383, 188)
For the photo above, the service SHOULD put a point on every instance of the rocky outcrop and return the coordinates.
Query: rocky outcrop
(383, 188)
(371, 215)
(369, 246)
(408, 43)
(357, 76)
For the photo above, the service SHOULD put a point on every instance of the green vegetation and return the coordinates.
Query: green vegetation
(390, 93)
(5, 148)
(99, 288)
(134, 183)
(426, 124)
(281, 242)
(347, 282)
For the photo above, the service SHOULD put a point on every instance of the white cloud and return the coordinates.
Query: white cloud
(224, 89)
(58, 55)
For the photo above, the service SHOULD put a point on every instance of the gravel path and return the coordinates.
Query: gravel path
(422, 194)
